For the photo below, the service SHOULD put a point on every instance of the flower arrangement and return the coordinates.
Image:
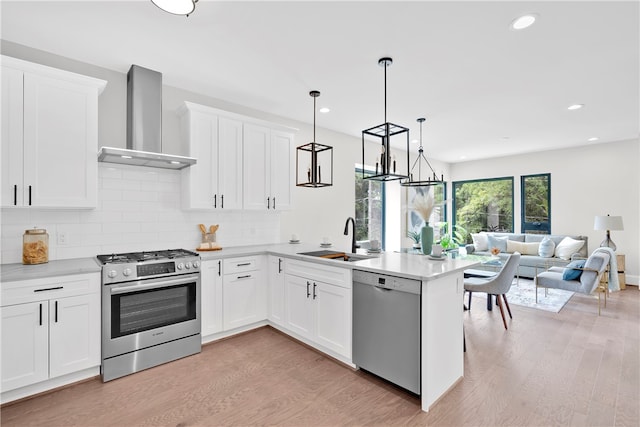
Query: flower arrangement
(423, 205)
(495, 251)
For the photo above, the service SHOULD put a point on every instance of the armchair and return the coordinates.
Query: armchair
(591, 278)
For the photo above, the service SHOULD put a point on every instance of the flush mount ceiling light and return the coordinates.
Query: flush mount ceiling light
(324, 110)
(311, 157)
(176, 7)
(524, 21)
(384, 161)
(419, 182)
(575, 107)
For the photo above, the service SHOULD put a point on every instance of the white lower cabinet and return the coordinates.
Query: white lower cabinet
(244, 292)
(50, 328)
(317, 310)
(276, 290)
(211, 292)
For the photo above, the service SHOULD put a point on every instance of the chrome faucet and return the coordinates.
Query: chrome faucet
(353, 237)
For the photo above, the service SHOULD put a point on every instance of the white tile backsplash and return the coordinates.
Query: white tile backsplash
(138, 209)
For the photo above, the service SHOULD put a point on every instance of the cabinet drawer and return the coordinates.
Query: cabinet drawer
(24, 291)
(239, 265)
(323, 273)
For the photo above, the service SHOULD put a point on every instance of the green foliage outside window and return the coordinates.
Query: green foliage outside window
(369, 208)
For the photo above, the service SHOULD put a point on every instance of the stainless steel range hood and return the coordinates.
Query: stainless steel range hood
(144, 125)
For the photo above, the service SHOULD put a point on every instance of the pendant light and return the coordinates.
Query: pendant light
(313, 158)
(176, 7)
(429, 180)
(385, 162)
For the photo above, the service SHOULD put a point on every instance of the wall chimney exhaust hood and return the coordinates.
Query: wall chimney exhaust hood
(144, 125)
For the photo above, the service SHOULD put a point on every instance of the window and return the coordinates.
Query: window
(369, 208)
(536, 203)
(483, 205)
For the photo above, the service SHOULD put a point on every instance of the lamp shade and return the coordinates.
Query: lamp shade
(176, 7)
(608, 223)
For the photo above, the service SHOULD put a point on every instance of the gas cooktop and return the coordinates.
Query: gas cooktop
(134, 257)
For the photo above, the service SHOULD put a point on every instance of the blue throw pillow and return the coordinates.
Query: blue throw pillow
(497, 242)
(570, 272)
(547, 248)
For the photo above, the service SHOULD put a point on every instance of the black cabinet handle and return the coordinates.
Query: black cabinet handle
(308, 294)
(268, 202)
(219, 268)
(314, 291)
(40, 314)
(222, 201)
(29, 195)
(244, 277)
(279, 265)
(243, 264)
(56, 313)
(15, 195)
(215, 200)
(274, 203)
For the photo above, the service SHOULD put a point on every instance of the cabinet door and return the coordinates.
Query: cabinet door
(229, 163)
(276, 290)
(12, 158)
(211, 285)
(25, 344)
(60, 143)
(244, 299)
(333, 318)
(256, 183)
(74, 334)
(299, 305)
(280, 171)
(200, 181)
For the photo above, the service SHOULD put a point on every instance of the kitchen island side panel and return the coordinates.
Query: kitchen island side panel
(442, 336)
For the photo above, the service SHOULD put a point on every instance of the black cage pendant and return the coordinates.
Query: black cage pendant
(387, 168)
(417, 178)
(314, 161)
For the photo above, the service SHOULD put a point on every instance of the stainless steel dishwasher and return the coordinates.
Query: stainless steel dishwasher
(386, 327)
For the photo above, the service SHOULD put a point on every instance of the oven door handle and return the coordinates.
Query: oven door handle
(141, 286)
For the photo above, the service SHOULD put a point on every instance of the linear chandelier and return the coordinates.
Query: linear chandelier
(412, 182)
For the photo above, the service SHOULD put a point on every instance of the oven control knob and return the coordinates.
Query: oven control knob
(196, 264)
(187, 265)
(112, 273)
(180, 266)
(127, 271)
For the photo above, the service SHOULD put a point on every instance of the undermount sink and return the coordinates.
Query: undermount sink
(337, 255)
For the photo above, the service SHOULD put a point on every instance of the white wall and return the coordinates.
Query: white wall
(595, 179)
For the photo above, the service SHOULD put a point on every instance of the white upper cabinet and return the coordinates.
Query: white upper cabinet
(49, 136)
(215, 181)
(267, 168)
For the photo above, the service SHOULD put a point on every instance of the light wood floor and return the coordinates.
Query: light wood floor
(570, 368)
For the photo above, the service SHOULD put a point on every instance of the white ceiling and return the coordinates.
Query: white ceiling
(485, 89)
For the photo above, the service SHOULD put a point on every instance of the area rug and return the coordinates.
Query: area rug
(523, 292)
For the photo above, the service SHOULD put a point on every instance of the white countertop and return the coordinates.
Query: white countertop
(412, 266)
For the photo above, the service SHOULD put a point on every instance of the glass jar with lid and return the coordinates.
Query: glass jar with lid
(35, 246)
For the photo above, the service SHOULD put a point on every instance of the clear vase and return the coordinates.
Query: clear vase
(426, 238)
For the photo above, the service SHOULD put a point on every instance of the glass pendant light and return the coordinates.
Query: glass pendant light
(313, 158)
(386, 167)
(429, 179)
(176, 7)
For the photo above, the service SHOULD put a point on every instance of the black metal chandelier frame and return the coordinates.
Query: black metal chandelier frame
(411, 182)
(311, 151)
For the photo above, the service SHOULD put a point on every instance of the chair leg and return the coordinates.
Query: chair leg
(506, 303)
(470, 293)
(504, 321)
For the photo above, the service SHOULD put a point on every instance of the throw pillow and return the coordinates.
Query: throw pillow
(528, 248)
(568, 247)
(570, 272)
(480, 242)
(547, 248)
(497, 242)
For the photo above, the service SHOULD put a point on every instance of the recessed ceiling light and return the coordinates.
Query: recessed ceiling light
(324, 110)
(595, 138)
(463, 157)
(414, 141)
(575, 107)
(524, 21)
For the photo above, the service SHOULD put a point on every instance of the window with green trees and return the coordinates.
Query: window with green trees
(483, 205)
(369, 208)
(536, 203)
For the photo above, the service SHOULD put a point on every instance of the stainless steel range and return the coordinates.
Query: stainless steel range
(150, 309)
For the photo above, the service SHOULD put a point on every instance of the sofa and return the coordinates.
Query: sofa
(539, 251)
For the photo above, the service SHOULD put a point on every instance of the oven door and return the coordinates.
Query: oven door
(149, 312)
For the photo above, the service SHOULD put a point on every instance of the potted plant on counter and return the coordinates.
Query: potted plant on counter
(423, 205)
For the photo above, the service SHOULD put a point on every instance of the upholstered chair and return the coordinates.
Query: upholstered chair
(497, 285)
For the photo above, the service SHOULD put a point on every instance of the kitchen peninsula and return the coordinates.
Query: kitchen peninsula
(441, 300)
